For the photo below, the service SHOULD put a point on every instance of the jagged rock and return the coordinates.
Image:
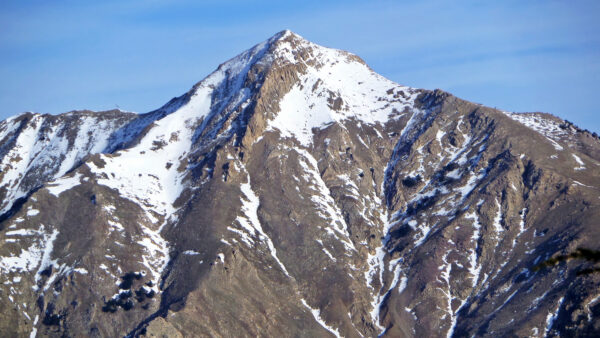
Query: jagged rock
(295, 192)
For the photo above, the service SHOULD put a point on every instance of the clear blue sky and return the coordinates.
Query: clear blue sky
(57, 56)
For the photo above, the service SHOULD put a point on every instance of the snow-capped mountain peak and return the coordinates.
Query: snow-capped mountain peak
(294, 191)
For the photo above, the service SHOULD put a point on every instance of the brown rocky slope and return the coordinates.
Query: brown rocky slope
(294, 192)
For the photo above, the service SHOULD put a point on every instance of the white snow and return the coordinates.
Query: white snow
(337, 76)
(471, 184)
(326, 251)
(536, 301)
(37, 254)
(446, 270)
(424, 230)
(555, 144)
(474, 268)
(22, 232)
(115, 225)
(324, 203)
(546, 127)
(522, 229)
(348, 183)
(397, 282)
(590, 303)
(455, 174)
(148, 172)
(8, 126)
(63, 184)
(507, 298)
(402, 283)
(581, 184)
(109, 208)
(156, 252)
(32, 212)
(146, 179)
(34, 329)
(25, 149)
(250, 222)
(317, 315)
(376, 264)
(92, 137)
(438, 136)
(46, 260)
(497, 219)
(579, 161)
(457, 154)
(552, 316)
(49, 151)
(244, 236)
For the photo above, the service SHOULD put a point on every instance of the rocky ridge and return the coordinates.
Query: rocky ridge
(295, 192)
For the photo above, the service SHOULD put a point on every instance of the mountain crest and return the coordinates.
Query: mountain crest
(294, 191)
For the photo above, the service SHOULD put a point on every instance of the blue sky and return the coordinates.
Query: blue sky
(57, 56)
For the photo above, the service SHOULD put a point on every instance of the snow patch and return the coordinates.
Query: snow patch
(552, 315)
(377, 267)
(580, 162)
(32, 212)
(63, 184)
(324, 202)
(46, 260)
(250, 222)
(498, 219)
(36, 255)
(337, 89)
(546, 127)
(156, 255)
(474, 267)
(317, 315)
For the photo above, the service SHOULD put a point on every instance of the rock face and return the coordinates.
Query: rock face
(294, 192)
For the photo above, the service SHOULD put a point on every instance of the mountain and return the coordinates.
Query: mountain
(295, 192)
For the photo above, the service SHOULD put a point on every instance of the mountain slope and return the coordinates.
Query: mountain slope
(295, 192)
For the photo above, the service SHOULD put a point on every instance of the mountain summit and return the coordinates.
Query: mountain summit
(295, 192)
